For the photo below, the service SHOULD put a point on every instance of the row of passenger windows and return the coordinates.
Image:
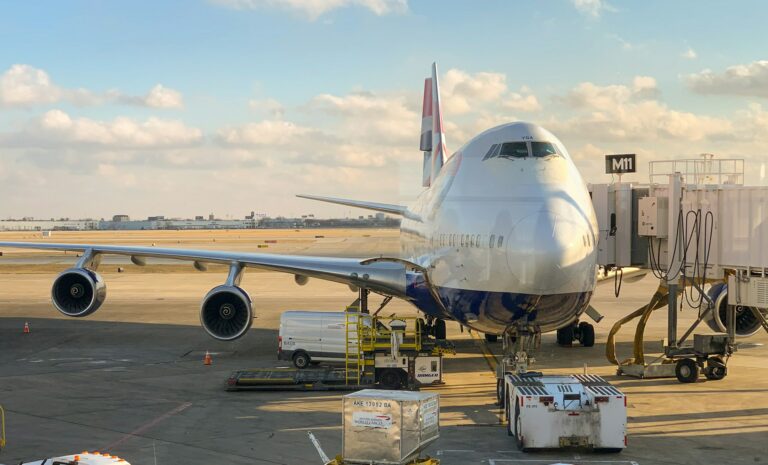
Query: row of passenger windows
(521, 150)
(468, 240)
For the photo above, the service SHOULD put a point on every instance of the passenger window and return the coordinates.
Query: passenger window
(514, 150)
(542, 149)
(492, 241)
(501, 241)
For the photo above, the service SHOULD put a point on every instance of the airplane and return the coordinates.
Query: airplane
(502, 240)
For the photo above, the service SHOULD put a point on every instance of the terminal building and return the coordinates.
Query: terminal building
(252, 221)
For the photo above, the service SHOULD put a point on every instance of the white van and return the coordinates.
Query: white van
(309, 337)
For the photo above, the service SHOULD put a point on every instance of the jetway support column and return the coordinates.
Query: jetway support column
(676, 256)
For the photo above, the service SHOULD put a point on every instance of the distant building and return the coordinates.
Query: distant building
(118, 218)
(156, 218)
(200, 218)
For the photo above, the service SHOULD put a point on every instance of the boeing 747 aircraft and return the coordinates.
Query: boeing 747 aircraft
(502, 239)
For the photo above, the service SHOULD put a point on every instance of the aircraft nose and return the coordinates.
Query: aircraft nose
(548, 249)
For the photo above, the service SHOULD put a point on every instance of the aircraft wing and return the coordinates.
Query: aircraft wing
(385, 277)
(227, 311)
(379, 207)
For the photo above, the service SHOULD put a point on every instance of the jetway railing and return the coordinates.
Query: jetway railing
(704, 170)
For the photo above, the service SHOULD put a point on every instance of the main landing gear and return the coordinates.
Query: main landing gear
(436, 328)
(582, 332)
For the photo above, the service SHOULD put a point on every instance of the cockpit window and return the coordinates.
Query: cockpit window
(514, 150)
(542, 149)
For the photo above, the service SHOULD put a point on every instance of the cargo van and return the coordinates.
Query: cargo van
(312, 337)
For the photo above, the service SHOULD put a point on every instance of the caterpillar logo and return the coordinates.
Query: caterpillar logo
(621, 163)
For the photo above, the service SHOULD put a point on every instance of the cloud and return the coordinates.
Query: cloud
(522, 102)
(593, 96)
(269, 107)
(24, 85)
(58, 130)
(592, 8)
(164, 97)
(461, 91)
(748, 80)
(689, 54)
(265, 133)
(367, 116)
(622, 112)
(313, 9)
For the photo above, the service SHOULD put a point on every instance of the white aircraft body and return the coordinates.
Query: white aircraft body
(503, 236)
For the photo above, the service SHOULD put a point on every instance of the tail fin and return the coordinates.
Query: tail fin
(432, 135)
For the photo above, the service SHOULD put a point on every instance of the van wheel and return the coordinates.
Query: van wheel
(301, 360)
(391, 379)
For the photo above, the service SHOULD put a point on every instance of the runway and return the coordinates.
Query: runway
(129, 379)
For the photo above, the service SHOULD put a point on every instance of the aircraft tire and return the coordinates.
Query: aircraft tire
(565, 336)
(440, 331)
(587, 334)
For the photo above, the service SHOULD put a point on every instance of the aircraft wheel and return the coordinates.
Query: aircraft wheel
(686, 370)
(565, 336)
(587, 334)
(440, 330)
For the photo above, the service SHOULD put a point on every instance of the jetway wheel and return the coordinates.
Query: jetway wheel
(686, 370)
(716, 369)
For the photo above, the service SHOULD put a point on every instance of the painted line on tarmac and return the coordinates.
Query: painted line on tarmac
(557, 461)
(146, 426)
(490, 359)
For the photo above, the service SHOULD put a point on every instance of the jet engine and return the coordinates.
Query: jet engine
(78, 292)
(226, 313)
(747, 323)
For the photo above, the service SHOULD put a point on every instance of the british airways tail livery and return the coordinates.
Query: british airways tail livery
(502, 237)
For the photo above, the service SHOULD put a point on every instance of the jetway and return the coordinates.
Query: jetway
(704, 236)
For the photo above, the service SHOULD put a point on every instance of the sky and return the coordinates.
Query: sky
(184, 108)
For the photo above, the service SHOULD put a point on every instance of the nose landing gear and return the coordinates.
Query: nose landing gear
(582, 332)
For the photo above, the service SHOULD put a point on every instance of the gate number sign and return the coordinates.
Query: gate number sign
(621, 163)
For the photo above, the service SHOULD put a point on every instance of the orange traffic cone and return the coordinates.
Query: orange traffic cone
(207, 360)
(26, 327)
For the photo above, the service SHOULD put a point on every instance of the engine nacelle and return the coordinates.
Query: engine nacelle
(78, 292)
(746, 322)
(226, 313)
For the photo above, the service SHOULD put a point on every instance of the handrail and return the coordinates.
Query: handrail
(2, 427)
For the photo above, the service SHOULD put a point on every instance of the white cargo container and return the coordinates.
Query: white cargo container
(388, 427)
(545, 412)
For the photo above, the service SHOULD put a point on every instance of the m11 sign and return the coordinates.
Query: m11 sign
(620, 163)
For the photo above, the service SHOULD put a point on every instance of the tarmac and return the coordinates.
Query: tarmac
(130, 380)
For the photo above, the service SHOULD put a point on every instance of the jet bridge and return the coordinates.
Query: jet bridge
(704, 236)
